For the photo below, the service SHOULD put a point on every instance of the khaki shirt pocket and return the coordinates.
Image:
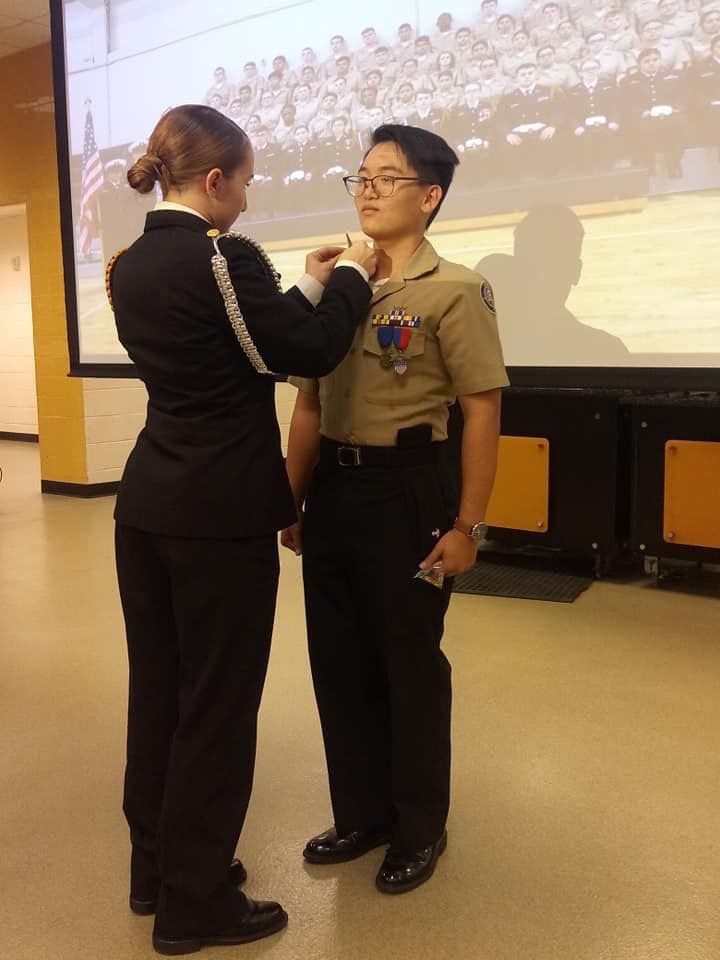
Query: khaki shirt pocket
(382, 383)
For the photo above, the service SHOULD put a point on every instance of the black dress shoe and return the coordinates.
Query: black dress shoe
(249, 920)
(145, 902)
(402, 872)
(330, 848)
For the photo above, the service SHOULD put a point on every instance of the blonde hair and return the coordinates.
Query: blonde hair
(188, 141)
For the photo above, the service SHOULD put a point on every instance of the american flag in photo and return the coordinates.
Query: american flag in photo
(92, 182)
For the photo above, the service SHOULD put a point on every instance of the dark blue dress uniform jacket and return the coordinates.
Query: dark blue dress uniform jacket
(208, 462)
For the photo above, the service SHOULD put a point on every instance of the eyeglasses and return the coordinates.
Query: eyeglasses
(383, 185)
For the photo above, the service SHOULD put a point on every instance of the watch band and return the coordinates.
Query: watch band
(475, 531)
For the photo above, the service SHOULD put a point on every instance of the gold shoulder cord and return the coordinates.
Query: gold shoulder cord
(108, 275)
(232, 307)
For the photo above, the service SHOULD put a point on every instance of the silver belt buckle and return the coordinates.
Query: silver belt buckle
(349, 456)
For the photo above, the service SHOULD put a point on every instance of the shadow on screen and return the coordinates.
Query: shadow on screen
(531, 289)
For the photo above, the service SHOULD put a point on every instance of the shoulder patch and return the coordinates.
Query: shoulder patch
(109, 272)
(488, 297)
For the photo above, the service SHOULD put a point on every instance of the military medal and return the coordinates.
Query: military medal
(394, 331)
(385, 339)
(401, 338)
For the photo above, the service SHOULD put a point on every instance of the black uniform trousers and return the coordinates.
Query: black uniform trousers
(655, 137)
(533, 158)
(199, 617)
(381, 681)
(594, 151)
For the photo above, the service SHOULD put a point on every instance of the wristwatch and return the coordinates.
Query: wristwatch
(476, 531)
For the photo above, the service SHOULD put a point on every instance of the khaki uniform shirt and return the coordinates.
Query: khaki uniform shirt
(453, 350)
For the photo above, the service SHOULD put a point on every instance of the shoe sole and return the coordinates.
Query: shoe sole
(143, 908)
(413, 885)
(176, 948)
(318, 858)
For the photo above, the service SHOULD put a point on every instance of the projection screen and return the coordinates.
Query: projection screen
(588, 134)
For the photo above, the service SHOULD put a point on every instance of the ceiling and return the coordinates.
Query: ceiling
(23, 24)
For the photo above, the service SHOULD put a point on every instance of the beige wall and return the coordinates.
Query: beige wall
(18, 402)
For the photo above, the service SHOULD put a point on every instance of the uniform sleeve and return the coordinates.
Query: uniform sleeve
(305, 385)
(469, 340)
(290, 335)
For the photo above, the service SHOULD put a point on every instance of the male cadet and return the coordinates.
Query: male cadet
(553, 73)
(546, 33)
(382, 527)
(299, 160)
(522, 53)
(677, 21)
(570, 45)
(655, 105)
(426, 115)
(471, 131)
(338, 152)
(443, 37)
(405, 46)
(709, 28)
(594, 108)
(266, 178)
(674, 52)
(492, 83)
(528, 119)
(221, 88)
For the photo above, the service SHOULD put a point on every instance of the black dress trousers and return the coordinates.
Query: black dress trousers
(381, 681)
(199, 617)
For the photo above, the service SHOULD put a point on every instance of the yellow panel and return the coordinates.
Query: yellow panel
(520, 495)
(692, 482)
(28, 174)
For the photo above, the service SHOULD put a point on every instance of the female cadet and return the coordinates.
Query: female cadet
(203, 495)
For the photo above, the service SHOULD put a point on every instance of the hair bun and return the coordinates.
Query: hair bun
(144, 173)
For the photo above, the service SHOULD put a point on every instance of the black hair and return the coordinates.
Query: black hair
(428, 154)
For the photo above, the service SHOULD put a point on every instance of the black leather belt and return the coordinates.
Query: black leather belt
(345, 455)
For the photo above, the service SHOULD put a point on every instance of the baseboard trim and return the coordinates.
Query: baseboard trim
(21, 437)
(83, 490)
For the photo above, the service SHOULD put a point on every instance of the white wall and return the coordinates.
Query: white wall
(18, 399)
(115, 414)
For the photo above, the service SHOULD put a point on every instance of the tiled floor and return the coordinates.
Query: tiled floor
(586, 810)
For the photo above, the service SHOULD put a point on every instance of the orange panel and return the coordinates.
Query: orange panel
(520, 495)
(692, 488)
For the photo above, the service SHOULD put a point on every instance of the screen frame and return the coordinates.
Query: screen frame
(640, 379)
